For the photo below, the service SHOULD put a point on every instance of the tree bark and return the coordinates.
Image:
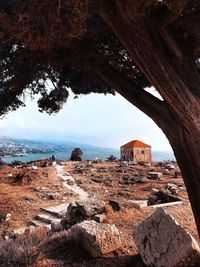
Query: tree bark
(187, 152)
(177, 82)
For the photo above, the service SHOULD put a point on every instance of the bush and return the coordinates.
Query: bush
(111, 158)
(24, 250)
(16, 253)
(17, 163)
(76, 154)
(2, 163)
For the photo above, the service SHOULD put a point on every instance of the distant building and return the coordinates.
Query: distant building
(136, 151)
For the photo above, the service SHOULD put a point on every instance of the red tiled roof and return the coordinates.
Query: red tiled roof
(135, 143)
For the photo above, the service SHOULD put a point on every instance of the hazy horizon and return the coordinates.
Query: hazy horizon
(95, 119)
(62, 142)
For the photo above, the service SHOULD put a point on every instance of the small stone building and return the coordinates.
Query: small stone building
(136, 151)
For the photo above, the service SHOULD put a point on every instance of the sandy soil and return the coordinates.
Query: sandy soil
(23, 200)
(105, 180)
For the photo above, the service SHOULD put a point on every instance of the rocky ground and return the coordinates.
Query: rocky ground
(126, 191)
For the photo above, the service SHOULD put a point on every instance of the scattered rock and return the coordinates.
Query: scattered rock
(142, 174)
(162, 242)
(182, 188)
(114, 204)
(141, 180)
(97, 180)
(161, 196)
(70, 182)
(154, 175)
(154, 191)
(52, 195)
(170, 186)
(147, 164)
(100, 218)
(97, 238)
(166, 172)
(34, 167)
(56, 227)
(45, 174)
(153, 200)
(173, 188)
(4, 217)
(177, 174)
(79, 211)
(27, 198)
(169, 166)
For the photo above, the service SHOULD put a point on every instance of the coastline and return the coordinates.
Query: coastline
(87, 155)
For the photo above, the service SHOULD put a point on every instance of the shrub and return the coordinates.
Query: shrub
(16, 253)
(76, 154)
(111, 158)
(24, 250)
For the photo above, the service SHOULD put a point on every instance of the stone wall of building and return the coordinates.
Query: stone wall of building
(127, 153)
(142, 154)
(136, 154)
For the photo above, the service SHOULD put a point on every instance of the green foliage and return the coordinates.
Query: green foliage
(47, 48)
(111, 158)
(76, 154)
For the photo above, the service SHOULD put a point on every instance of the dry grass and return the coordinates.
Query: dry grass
(23, 200)
(23, 250)
(130, 216)
(38, 249)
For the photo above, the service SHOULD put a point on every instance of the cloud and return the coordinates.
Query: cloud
(108, 121)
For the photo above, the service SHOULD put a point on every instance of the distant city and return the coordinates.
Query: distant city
(19, 147)
(27, 150)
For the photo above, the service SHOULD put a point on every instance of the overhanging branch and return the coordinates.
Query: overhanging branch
(153, 107)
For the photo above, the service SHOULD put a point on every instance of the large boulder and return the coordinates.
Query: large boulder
(162, 196)
(97, 238)
(82, 210)
(162, 242)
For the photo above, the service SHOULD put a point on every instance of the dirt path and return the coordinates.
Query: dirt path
(67, 179)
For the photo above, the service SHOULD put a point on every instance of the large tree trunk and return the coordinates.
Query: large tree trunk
(187, 152)
(157, 55)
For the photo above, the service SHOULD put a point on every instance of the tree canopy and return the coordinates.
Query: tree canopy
(106, 46)
(61, 44)
(76, 154)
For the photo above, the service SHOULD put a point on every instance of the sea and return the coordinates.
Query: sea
(87, 155)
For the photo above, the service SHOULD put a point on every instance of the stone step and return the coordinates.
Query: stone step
(38, 223)
(174, 203)
(47, 218)
(58, 211)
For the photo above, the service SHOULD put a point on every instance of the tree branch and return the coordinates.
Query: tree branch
(156, 109)
(163, 22)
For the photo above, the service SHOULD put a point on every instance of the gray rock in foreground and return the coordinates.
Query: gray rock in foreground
(162, 242)
(97, 238)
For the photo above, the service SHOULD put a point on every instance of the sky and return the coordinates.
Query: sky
(106, 121)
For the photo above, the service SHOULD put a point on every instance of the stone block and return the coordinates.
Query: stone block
(154, 175)
(82, 210)
(162, 242)
(56, 227)
(97, 238)
(100, 218)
